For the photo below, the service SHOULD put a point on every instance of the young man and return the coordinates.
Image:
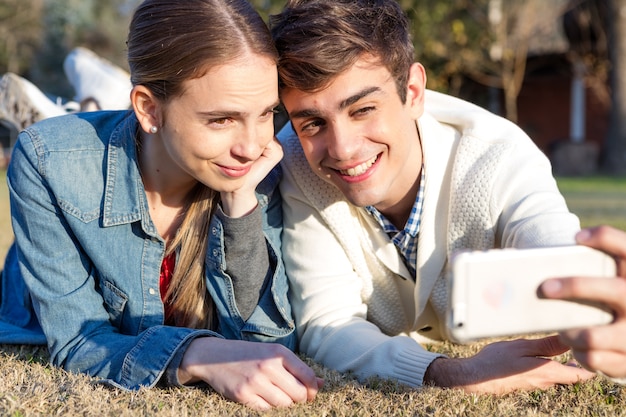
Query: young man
(383, 180)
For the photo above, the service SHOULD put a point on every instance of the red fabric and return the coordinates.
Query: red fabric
(167, 269)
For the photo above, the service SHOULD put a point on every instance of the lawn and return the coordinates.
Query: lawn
(29, 386)
(596, 200)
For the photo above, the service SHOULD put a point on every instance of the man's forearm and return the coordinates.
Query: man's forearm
(446, 372)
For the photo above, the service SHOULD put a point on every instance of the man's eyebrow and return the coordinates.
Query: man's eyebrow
(306, 113)
(358, 96)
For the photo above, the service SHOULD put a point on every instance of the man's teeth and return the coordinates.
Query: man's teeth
(359, 169)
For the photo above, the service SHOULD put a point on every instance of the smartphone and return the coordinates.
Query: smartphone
(493, 293)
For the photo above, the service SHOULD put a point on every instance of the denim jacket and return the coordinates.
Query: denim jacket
(87, 257)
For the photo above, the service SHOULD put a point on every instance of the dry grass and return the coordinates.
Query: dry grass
(30, 386)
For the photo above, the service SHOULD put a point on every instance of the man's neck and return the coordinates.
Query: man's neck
(400, 213)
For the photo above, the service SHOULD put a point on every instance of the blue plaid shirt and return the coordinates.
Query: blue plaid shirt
(406, 239)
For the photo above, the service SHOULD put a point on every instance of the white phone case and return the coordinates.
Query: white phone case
(494, 293)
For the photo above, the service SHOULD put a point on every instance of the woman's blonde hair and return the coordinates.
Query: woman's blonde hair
(170, 42)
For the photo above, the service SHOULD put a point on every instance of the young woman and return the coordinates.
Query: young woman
(148, 241)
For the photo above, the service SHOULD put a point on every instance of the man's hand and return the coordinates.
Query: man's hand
(601, 348)
(260, 375)
(507, 366)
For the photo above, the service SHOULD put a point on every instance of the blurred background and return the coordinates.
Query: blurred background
(552, 66)
(555, 67)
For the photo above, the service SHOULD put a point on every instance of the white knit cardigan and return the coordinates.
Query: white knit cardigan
(357, 308)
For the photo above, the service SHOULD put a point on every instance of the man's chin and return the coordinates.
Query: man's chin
(358, 198)
(353, 192)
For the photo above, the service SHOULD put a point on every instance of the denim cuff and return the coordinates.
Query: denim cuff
(170, 376)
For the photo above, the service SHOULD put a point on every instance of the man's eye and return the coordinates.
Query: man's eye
(364, 110)
(311, 128)
(219, 122)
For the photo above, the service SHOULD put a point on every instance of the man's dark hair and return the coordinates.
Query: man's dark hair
(319, 39)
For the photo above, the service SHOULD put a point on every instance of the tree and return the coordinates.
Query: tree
(20, 33)
(447, 36)
(97, 25)
(267, 7)
(614, 161)
(487, 41)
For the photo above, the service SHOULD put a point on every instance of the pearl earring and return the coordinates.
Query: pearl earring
(154, 129)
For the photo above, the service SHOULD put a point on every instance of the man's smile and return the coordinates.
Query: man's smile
(359, 169)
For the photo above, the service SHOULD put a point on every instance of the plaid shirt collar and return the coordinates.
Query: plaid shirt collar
(405, 239)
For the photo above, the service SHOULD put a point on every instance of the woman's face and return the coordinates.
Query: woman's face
(221, 124)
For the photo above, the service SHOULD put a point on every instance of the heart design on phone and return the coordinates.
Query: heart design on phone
(498, 296)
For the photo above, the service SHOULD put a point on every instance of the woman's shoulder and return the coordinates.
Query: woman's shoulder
(75, 131)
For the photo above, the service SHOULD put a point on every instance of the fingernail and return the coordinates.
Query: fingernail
(551, 287)
(583, 235)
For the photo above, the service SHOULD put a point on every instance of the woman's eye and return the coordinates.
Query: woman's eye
(269, 113)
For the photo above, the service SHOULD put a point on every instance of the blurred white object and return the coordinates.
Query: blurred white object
(99, 84)
(22, 103)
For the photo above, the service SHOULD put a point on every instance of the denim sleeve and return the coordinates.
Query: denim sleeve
(62, 284)
(271, 320)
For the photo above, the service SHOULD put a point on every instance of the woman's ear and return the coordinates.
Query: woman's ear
(146, 107)
(416, 86)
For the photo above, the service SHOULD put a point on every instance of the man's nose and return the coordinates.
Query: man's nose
(342, 142)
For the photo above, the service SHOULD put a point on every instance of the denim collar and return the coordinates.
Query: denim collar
(124, 194)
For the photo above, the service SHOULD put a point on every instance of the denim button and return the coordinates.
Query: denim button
(152, 291)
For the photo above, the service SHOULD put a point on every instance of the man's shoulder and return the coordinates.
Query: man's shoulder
(469, 119)
(288, 139)
(294, 159)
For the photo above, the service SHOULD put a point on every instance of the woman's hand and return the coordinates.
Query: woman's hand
(260, 375)
(242, 201)
(601, 348)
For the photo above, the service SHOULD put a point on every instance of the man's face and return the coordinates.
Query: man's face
(357, 134)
